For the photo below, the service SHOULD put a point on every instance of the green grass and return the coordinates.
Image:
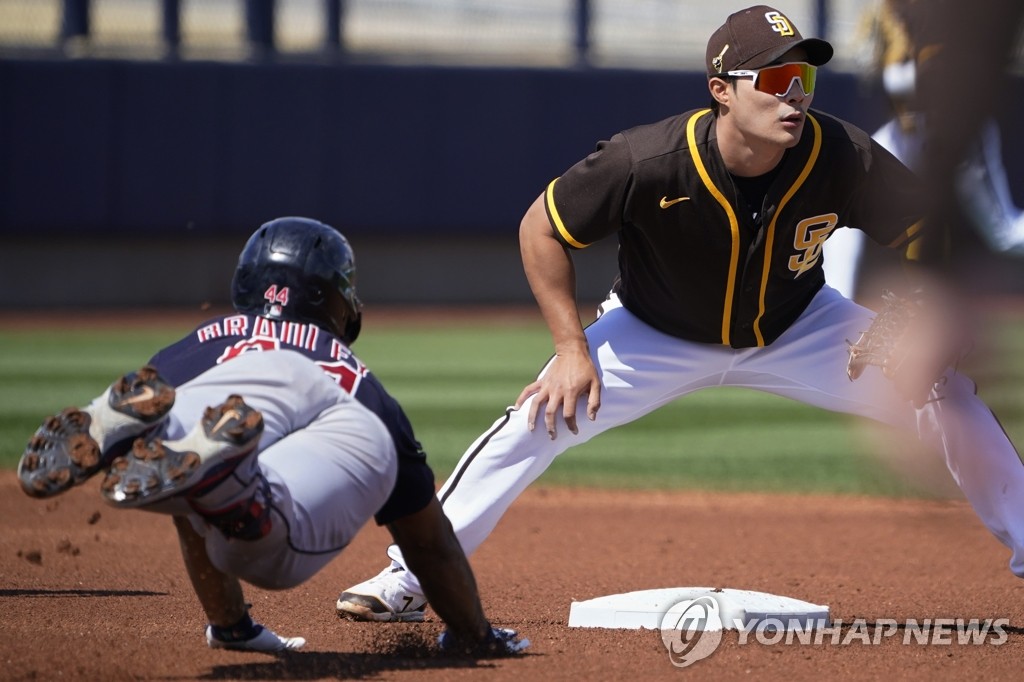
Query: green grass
(46, 370)
(454, 381)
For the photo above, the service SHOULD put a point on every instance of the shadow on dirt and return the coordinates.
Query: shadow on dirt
(402, 652)
(79, 593)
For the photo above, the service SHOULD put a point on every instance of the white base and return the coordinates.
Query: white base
(739, 608)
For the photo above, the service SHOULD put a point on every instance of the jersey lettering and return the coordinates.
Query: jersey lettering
(780, 24)
(300, 335)
(264, 327)
(235, 325)
(222, 339)
(266, 335)
(210, 332)
(810, 236)
(339, 351)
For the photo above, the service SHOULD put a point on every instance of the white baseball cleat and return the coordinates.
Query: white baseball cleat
(158, 469)
(74, 444)
(267, 641)
(382, 598)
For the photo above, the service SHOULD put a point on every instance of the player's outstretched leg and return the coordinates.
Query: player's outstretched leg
(74, 444)
(157, 469)
(382, 598)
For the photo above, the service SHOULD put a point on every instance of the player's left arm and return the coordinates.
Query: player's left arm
(433, 553)
(552, 278)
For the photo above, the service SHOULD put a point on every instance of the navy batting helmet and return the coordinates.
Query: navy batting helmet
(302, 270)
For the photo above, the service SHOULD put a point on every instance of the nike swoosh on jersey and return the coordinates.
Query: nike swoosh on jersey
(666, 202)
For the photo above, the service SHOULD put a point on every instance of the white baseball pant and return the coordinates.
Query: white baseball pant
(642, 369)
(330, 464)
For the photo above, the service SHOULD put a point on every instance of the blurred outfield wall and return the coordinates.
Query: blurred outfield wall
(427, 169)
(135, 181)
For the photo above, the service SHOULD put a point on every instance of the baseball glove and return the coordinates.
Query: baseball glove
(911, 341)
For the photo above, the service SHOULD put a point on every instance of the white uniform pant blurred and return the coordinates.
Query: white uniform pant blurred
(981, 185)
(642, 369)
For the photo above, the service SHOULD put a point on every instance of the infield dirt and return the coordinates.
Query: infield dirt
(94, 593)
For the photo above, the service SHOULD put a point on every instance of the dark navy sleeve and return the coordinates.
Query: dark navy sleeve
(415, 484)
(185, 360)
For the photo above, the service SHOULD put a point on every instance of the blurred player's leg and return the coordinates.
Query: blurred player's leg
(842, 260)
(985, 192)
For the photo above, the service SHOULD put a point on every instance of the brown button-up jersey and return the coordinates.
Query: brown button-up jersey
(693, 262)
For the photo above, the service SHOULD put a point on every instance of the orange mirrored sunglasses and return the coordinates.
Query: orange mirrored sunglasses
(777, 80)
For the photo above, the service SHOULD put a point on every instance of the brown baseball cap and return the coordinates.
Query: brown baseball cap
(757, 36)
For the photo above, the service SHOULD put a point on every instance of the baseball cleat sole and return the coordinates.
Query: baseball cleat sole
(73, 445)
(157, 469)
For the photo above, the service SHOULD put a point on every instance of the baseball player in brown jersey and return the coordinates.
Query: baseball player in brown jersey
(721, 215)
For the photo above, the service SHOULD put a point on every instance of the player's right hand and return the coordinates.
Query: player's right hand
(569, 377)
